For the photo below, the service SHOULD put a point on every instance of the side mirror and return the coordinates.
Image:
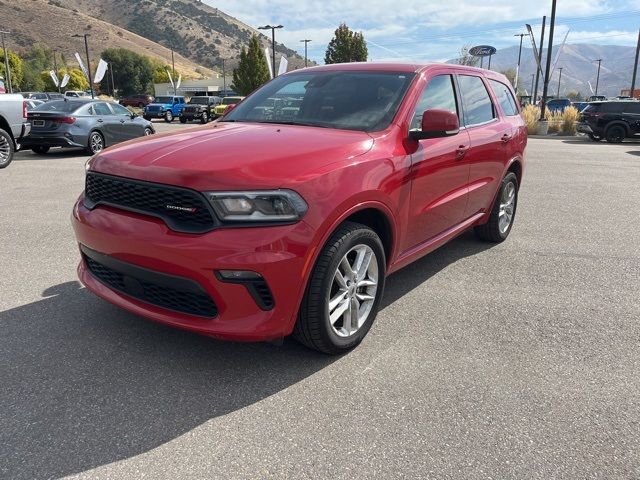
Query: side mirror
(436, 123)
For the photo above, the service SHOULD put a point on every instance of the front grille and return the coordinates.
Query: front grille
(190, 109)
(153, 108)
(183, 210)
(151, 287)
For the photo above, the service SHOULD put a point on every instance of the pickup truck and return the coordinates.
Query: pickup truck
(165, 107)
(13, 125)
(200, 108)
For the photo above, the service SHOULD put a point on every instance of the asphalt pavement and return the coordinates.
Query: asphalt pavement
(518, 360)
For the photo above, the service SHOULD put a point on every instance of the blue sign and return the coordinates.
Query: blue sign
(482, 51)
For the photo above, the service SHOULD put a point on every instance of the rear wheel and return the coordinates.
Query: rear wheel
(96, 143)
(344, 292)
(168, 116)
(502, 213)
(183, 120)
(40, 149)
(615, 134)
(6, 149)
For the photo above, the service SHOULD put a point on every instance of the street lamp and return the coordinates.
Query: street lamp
(86, 48)
(559, 78)
(519, 56)
(533, 78)
(273, 44)
(306, 41)
(6, 61)
(599, 60)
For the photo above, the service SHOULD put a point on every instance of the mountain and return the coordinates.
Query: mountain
(202, 36)
(578, 67)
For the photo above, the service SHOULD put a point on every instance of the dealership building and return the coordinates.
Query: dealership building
(190, 88)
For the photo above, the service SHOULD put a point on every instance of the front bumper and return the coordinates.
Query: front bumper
(279, 253)
(191, 115)
(154, 114)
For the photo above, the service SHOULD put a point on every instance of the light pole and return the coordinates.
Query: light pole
(635, 67)
(559, 78)
(55, 67)
(6, 61)
(224, 77)
(306, 41)
(533, 78)
(547, 72)
(519, 56)
(598, 76)
(86, 49)
(273, 44)
(539, 60)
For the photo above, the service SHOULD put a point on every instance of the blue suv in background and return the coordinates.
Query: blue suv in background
(165, 107)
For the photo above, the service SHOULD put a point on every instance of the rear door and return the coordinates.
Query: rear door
(489, 138)
(439, 168)
(631, 114)
(106, 121)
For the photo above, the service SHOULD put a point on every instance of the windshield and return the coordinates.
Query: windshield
(163, 100)
(199, 100)
(230, 100)
(65, 106)
(365, 101)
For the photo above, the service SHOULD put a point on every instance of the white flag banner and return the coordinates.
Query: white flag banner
(284, 63)
(170, 77)
(54, 77)
(82, 67)
(100, 71)
(268, 56)
(64, 81)
(179, 81)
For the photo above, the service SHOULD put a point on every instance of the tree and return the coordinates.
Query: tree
(575, 96)
(15, 66)
(252, 70)
(132, 72)
(77, 80)
(36, 60)
(346, 46)
(466, 58)
(160, 74)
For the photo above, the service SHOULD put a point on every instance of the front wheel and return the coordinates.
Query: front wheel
(40, 150)
(6, 149)
(502, 213)
(344, 291)
(147, 132)
(615, 134)
(183, 120)
(168, 116)
(204, 118)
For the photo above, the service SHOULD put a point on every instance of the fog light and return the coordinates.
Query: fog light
(238, 275)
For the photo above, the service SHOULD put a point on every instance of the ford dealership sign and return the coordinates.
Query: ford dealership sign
(482, 51)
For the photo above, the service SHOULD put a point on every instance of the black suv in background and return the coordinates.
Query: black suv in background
(613, 121)
(199, 108)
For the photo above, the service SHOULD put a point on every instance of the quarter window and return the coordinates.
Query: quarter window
(439, 94)
(505, 98)
(477, 104)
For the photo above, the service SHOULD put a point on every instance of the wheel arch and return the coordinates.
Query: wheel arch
(618, 123)
(4, 125)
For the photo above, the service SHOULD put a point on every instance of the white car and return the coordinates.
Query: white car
(75, 93)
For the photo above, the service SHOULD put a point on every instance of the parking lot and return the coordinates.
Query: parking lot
(517, 360)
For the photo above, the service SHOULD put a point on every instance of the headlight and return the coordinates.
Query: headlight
(258, 206)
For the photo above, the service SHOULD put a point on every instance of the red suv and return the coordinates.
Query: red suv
(286, 216)
(140, 101)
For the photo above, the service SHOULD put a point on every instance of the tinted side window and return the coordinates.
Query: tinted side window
(439, 93)
(476, 101)
(631, 107)
(102, 109)
(505, 98)
(120, 110)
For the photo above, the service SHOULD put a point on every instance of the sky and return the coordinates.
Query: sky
(411, 30)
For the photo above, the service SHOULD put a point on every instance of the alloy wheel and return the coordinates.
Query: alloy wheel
(352, 292)
(95, 142)
(5, 150)
(507, 207)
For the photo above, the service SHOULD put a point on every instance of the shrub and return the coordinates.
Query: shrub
(569, 120)
(531, 115)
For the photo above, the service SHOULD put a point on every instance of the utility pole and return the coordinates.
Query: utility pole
(598, 76)
(515, 86)
(224, 77)
(113, 85)
(635, 67)
(6, 61)
(55, 67)
(273, 44)
(173, 72)
(306, 41)
(547, 72)
(559, 78)
(86, 49)
(533, 76)
(535, 92)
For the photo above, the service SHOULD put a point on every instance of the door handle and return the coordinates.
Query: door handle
(461, 151)
(506, 137)
(100, 120)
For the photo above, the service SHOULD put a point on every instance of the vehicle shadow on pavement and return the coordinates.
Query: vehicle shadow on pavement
(418, 272)
(54, 154)
(85, 383)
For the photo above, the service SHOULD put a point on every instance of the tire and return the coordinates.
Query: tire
(7, 149)
(314, 327)
(496, 230)
(147, 132)
(146, 118)
(168, 116)
(594, 137)
(95, 143)
(615, 134)
(183, 120)
(204, 118)
(40, 150)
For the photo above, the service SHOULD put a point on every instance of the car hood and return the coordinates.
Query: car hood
(233, 155)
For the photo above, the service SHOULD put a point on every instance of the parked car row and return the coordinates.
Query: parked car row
(200, 108)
